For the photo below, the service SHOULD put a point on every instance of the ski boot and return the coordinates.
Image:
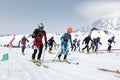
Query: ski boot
(39, 62)
(59, 57)
(65, 60)
(34, 61)
(23, 54)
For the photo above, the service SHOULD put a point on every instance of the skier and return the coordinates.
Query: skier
(86, 40)
(38, 35)
(74, 44)
(23, 42)
(78, 45)
(92, 45)
(64, 44)
(51, 41)
(96, 41)
(110, 40)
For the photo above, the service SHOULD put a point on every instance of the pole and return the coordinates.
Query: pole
(57, 55)
(43, 55)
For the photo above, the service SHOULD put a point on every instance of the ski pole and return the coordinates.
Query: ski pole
(57, 55)
(43, 55)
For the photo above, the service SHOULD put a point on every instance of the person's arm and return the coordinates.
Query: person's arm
(62, 37)
(34, 35)
(27, 40)
(71, 41)
(83, 41)
(100, 42)
(45, 38)
(114, 41)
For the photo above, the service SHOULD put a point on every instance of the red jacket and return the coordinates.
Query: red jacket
(38, 35)
(23, 42)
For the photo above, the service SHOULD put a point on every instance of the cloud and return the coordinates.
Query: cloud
(97, 9)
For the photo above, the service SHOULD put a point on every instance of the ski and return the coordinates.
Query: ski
(41, 64)
(109, 70)
(76, 63)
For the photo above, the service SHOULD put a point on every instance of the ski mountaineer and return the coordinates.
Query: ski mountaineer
(23, 42)
(92, 46)
(51, 41)
(86, 40)
(38, 35)
(78, 45)
(110, 41)
(64, 44)
(74, 44)
(96, 41)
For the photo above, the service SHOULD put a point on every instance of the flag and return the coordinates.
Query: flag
(10, 44)
(5, 57)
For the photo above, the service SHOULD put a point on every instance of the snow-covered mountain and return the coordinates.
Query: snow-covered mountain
(106, 24)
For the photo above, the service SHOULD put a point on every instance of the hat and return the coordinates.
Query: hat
(40, 27)
(69, 29)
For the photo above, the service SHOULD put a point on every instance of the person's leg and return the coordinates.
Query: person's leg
(23, 49)
(109, 48)
(40, 52)
(84, 47)
(62, 50)
(66, 52)
(75, 48)
(87, 48)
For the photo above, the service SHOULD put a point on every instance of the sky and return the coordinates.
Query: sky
(23, 16)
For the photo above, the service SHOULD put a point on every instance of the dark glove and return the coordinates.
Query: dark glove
(45, 45)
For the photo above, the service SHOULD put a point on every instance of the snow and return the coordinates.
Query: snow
(18, 67)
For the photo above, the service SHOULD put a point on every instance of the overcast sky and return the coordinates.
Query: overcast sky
(23, 16)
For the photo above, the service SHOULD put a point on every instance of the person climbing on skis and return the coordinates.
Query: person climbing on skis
(66, 37)
(110, 41)
(86, 41)
(92, 46)
(23, 42)
(78, 45)
(51, 41)
(96, 41)
(38, 35)
(74, 44)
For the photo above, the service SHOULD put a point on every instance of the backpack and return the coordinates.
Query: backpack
(67, 37)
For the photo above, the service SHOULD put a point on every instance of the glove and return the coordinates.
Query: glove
(45, 45)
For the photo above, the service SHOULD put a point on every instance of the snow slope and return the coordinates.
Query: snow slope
(18, 67)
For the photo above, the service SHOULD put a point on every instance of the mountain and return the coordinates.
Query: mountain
(106, 24)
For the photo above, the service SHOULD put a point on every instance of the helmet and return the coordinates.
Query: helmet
(41, 23)
(52, 37)
(113, 37)
(40, 27)
(69, 29)
(98, 37)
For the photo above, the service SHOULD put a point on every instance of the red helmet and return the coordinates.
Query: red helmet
(69, 29)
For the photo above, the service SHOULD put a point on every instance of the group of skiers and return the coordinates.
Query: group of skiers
(94, 43)
(38, 45)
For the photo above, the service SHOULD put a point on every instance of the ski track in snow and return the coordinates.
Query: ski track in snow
(20, 68)
(60, 70)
